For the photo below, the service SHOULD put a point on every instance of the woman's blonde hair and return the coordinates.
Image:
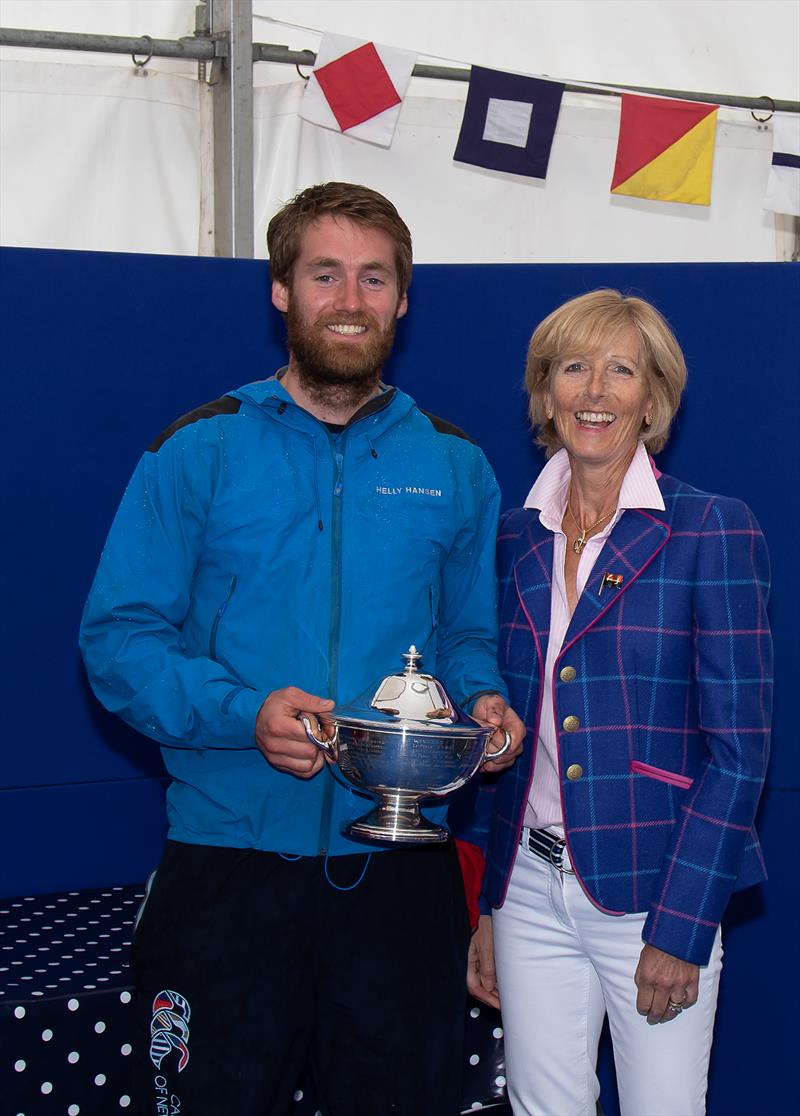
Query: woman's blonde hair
(582, 325)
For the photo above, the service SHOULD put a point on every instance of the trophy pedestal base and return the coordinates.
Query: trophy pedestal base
(397, 820)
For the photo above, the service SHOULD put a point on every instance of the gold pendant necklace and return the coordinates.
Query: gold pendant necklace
(580, 542)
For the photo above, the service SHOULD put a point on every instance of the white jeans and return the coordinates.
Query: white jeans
(561, 966)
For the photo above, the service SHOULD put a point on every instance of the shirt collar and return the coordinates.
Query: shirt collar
(549, 493)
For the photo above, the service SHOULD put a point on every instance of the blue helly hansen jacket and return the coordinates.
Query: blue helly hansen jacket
(254, 549)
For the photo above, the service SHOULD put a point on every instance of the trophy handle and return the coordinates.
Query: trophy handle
(489, 756)
(329, 747)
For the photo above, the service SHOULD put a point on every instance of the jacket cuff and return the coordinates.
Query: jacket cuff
(241, 710)
(469, 702)
(683, 936)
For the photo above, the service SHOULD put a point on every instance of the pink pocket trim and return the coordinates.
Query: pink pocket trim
(682, 781)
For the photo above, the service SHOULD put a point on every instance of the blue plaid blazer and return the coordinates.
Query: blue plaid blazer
(671, 686)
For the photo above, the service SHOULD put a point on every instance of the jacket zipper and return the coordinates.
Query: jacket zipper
(212, 639)
(335, 621)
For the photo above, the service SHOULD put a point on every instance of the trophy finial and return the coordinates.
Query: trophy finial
(413, 659)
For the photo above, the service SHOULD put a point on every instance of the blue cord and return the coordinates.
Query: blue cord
(350, 887)
(337, 887)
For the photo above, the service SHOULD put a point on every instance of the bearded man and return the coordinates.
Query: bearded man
(275, 552)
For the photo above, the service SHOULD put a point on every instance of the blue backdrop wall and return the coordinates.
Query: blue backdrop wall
(101, 352)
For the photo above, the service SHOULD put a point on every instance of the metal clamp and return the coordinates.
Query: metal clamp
(764, 119)
(141, 63)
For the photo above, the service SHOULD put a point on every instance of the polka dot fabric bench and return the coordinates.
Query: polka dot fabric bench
(66, 1012)
(65, 1002)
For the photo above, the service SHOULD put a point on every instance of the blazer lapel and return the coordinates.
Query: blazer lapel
(629, 549)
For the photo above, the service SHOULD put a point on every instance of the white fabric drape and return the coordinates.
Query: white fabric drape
(98, 158)
(105, 159)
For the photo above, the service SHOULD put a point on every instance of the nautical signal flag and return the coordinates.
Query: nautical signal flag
(783, 185)
(358, 88)
(509, 122)
(665, 150)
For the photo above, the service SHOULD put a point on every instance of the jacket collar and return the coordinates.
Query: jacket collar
(630, 548)
(270, 395)
(639, 486)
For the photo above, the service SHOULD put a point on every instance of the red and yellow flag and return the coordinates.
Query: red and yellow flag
(665, 150)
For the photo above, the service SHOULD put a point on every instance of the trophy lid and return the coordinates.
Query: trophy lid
(408, 699)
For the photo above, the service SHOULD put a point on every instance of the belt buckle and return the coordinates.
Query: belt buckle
(556, 856)
(552, 852)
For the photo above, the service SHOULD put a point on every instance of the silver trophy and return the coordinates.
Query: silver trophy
(404, 740)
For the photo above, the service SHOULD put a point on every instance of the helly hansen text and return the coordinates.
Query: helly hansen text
(407, 490)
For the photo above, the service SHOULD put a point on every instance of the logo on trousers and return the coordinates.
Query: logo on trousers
(169, 1028)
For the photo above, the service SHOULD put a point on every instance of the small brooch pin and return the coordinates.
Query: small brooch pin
(612, 579)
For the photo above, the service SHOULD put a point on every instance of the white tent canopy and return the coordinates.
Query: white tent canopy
(100, 154)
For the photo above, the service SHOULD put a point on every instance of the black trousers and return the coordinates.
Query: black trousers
(248, 964)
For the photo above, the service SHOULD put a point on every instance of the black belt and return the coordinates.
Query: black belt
(549, 846)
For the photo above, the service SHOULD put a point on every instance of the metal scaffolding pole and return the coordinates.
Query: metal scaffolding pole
(192, 47)
(205, 49)
(232, 94)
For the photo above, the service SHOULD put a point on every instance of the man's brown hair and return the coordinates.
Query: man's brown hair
(336, 199)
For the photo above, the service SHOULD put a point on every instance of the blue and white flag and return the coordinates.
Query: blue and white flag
(783, 185)
(509, 122)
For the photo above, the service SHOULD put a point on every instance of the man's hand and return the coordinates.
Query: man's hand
(491, 709)
(666, 985)
(481, 978)
(282, 738)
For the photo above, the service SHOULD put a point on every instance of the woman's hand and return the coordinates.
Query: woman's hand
(666, 985)
(481, 977)
(491, 709)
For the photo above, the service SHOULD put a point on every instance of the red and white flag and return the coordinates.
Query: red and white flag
(358, 88)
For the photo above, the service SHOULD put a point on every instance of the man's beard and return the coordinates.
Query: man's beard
(331, 370)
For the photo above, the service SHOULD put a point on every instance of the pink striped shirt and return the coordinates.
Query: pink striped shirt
(549, 494)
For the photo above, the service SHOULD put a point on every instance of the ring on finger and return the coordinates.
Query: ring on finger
(675, 1008)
